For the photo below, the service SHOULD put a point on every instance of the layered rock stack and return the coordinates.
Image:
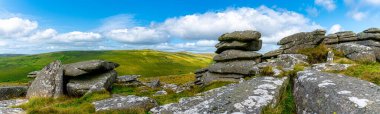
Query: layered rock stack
(235, 59)
(74, 79)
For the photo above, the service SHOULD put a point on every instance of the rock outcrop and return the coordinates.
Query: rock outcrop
(91, 83)
(12, 92)
(356, 52)
(235, 59)
(285, 62)
(246, 97)
(6, 106)
(322, 93)
(291, 44)
(130, 102)
(87, 67)
(48, 83)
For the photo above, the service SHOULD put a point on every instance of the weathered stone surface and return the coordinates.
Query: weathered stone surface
(370, 43)
(48, 83)
(6, 106)
(127, 78)
(173, 87)
(368, 36)
(79, 86)
(273, 53)
(372, 30)
(130, 102)
(245, 46)
(247, 35)
(229, 55)
(12, 92)
(314, 37)
(246, 97)
(294, 49)
(330, 57)
(86, 67)
(331, 39)
(159, 93)
(233, 67)
(32, 74)
(329, 67)
(153, 84)
(288, 61)
(356, 52)
(327, 93)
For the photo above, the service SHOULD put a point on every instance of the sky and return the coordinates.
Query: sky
(41, 26)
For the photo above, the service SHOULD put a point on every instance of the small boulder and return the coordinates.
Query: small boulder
(233, 67)
(6, 106)
(159, 93)
(357, 52)
(12, 92)
(128, 80)
(32, 74)
(247, 35)
(87, 67)
(153, 84)
(48, 83)
(272, 54)
(79, 86)
(372, 30)
(130, 102)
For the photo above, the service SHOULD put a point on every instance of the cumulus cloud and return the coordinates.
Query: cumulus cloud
(16, 27)
(3, 43)
(372, 2)
(357, 15)
(335, 28)
(137, 35)
(77, 36)
(327, 4)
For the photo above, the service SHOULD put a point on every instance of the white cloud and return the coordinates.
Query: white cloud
(327, 4)
(357, 15)
(3, 43)
(372, 2)
(335, 28)
(116, 22)
(77, 36)
(16, 27)
(273, 25)
(42, 35)
(137, 35)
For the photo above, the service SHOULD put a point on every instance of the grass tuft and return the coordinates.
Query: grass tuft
(315, 55)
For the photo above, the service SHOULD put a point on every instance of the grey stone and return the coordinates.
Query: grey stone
(356, 52)
(32, 74)
(314, 37)
(233, 67)
(6, 106)
(160, 93)
(79, 86)
(87, 67)
(370, 43)
(273, 54)
(372, 30)
(326, 93)
(330, 57)
(248, 97)
(288, 61)
(331, 39)
(153, 84)
(368, 36)
(127, 78)
(130, 102)
(12, 92)
(200, 71)
(247, 35)
(330, 67)
(48, 83)
(229, 55)
(245, 46)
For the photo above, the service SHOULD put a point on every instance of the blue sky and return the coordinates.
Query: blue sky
(38, 26)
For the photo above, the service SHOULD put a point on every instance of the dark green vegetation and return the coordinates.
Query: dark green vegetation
(315, 55)
(148, 63)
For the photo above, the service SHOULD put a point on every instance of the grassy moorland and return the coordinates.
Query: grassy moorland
(148, 63)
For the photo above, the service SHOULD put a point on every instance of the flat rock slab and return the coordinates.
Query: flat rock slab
(238, 45)
(328, 93)
(330, 67)
(118, 102)
(79, 86)
(243, 67)
(12, 91)
(357, 52)
(246, 97)
(86, 67)
(247, 35)
(229, 55)
(5, 106)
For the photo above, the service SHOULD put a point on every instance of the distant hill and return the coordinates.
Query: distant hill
(148, 63)
(10, 55)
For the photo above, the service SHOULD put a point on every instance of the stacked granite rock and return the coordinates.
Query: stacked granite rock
(235, 59)
(362, 46)
(291, 44)
(74, 79)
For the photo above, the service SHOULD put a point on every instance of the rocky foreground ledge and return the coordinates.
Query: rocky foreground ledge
(246, 97)
(326, 93)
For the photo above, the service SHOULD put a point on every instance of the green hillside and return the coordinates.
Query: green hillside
(148, 63)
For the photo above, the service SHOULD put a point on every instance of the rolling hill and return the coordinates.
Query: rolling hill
(148, 63)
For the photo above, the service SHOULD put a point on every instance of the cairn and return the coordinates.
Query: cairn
(236, 57)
